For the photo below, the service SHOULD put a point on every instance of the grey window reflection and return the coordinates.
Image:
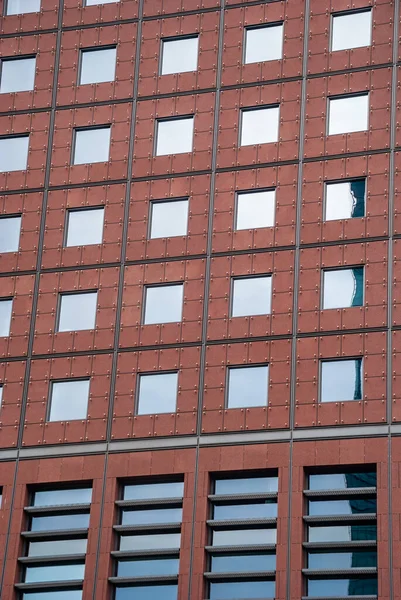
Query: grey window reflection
(247, 485)
(255, 209)
(150, 491)
(260, 510)
(69, 400)
(352, 30)
(163, 304)
(354, 506)
(150, 542)
(342, 533)
(157, 393)
(247, 386)
(259, 125)
(345, 200)
(77, 311)
(251, 296)
(179, 55)
(10, 229)
(147, 568)
(242, 589)
(244, 537)
(151, 517)
(62, 497)
(348, 114)
(169, 219)
(57, 547)
(85, 227)
(234, 563)
(51, 523)
(6, 307)
(263, 43)
(17, 75)
(14, 153)
(341, 481)
(147, 592)
(94, 2)
(19, 7)
(53, 595)
(341, 380)
(98, 65)
(353, 586)
(343, 288)
(342, 560)
(91, 145)
(174, 136)
(54, 573)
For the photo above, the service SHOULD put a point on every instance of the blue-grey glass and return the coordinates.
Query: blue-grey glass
(98, 65)
(342, 533)
(353, 506)
(248, 386)
(169, 219)
(342, 560)
(247, 485)
(244, 537)
(150, 517)
(352, 30)
(343, 288)
(242, 589)
(265, 510)
(62, 497)
(179, 55)
(341, 481)
(259, 126)
(157, 393)
(349, 114)
(54, 573)
(77, 311)
(174, 136)
(150, 491)
(263, 43)
(10, 229)
(57, 547)
(85, 227)
(147, 592)
(156, 541)
(345, 200)
(352, 586)
(92, 145)
(69, 400)
(6, 307)
(14, 153)
(66, 522)
(341, 380)
(251, 296)
(17, 75)
(93, 2)
(255, 209)
(19, 7)
(53, 595)
(236, 563)
(148, 568)
(1, 401)
(163, 304)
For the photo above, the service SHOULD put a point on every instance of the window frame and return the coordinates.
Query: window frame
(261, 26)
(74, 143)
(80, 209)
(326, 183)
(345, 97)
(342, 268)
(61, 294)
(139, 376)
(227, 384)
(176, 38)
(243, 277)
(341, 359)
(94, 49)
(345, 13)
(50, 394)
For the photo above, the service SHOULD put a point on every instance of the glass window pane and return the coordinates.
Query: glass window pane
(342, 560)
(98, 65)
(6, 307)
(169, 219)
(345, 200)
(150, 491)
(351, 30)
(64, 522)
(92, 145)
(69, 400)
(174, 136)
(18, 7)
(251, 485)
(163, 304)
(343, 288)
(1, 402)
(247, 386)
(150, 517)
(14, 153)
(341, 481)
(85, 227)
(255, 210)
(150, 542)
(53, 595)
(264, 43)
(62, 497)
(93, 2)
(10, 229)
(241, 590)
(259, 126)
(54, 573)
(147, 568)
(341, 380)
(179, 56)
(265, 510)
(57, 547)
(354, 586)
(244, 537)
(251, 296)
(347, 115)
(77, 311)
(17, 75)
(342, 533)
(147, 592)
(243, 562)
(353, 506)
(157, 393)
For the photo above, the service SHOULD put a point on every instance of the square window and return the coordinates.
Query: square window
(69, 400)
(259, 126)
(91, 145)
(349, 114)
(174, 136)
(6, 307)
(251, 296)
(10, 228)
(17, 75)
(343, 288)
(85, 227)
(169, 219)
(97, 65)
(255, 209)
(14, 153)
(179, 56)
(263, 43)
(352, 30)
(341, 380)
(247, 386)
(345, 200)
(163, 304)
(157, 393)
(19, 7)
(77, 311)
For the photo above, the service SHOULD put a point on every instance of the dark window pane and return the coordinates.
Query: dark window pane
(241, 537)
(154, 490)
(342, 533)
(57, 547)
(80, 521)
(342, 587)
(342, 560)
(352, 506)
(145, 568)
(148, 592)
(242, 589)
(251, 485)
(236, 563)
(150, 542)
(145, 517)
(54, 573)
(265, 510)
(62, 497)
(341, 481)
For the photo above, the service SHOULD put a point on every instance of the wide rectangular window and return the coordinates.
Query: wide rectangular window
(17, 75)
(341, 380)
(77, 312)
(163, 304)
(247, 386)
(157, 393)
(6, 308)
(94, 2)
(251, 296)
(91, 145)
(348, 114)
(259, 125)
(169, 218)
(147, 592)
(10, 230)
(179, 55)
(263, 43)
(345, 200)
(255, 209)
(69, 400)
(98, 65)
(174, 136)
(343, 288)
(14, 153)
(84, 227)
(351, 30)
(19, 7)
